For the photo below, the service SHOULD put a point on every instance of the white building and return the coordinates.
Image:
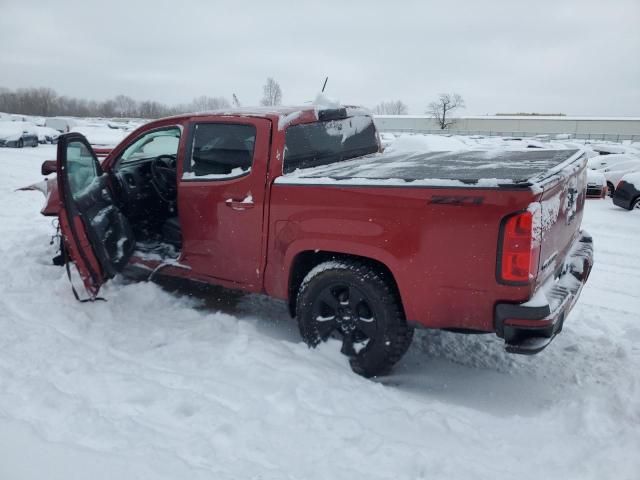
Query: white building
(605, 128)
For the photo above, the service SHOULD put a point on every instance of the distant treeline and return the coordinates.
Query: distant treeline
(46, 102)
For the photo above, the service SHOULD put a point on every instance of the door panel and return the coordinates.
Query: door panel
(98, 237)
(221, 213)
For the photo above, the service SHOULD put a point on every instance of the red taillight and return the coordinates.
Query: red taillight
(520, 246)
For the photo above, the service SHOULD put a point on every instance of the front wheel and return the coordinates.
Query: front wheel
(635, 205)
(353, 302)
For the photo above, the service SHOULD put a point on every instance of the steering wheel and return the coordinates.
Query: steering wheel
(163, 177)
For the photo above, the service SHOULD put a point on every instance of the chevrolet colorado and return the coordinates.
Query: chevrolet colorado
(302, 204)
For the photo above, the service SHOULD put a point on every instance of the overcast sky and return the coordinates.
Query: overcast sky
(576, 57)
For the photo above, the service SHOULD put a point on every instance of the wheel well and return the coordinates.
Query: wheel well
(305, 261)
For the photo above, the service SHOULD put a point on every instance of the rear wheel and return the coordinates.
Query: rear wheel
(635, 205)
(351, 301)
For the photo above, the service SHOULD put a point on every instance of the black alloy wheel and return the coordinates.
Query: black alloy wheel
(356, 304)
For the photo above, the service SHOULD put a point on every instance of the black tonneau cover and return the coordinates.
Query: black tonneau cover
(523, 167)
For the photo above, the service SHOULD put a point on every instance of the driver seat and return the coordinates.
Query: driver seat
(172, 233)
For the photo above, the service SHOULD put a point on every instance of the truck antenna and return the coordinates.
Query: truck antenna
(324, 84)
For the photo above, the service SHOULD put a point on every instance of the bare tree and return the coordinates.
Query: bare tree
(271, 93)
(394, 107)
(125, 106)
(443, 109)
(205, 104)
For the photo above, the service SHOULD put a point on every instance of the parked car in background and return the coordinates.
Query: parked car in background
(47, 135)
(18, 135)
(613, 149)
(603, 161)
(596, 184)
(61, 124)
(614, 173)
(627, 193)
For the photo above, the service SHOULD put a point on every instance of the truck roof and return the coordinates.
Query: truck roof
(489, 168)
(283, 116)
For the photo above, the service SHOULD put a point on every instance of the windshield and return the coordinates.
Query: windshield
(321, 143)
(153, 144)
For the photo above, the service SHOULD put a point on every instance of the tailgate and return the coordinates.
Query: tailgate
(562, 200)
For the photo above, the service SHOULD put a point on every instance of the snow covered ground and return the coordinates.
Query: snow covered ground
(157, 384)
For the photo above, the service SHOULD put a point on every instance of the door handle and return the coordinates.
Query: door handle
(239, 204)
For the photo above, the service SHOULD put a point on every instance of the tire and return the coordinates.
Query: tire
(611, 189)
(20, 143)
(635, 205)
(352, 301)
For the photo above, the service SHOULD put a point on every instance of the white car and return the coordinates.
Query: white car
(47, 135)
(614, 172)
(596, 184)
(602, 161)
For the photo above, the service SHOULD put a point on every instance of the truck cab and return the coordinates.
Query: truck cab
(183, 194)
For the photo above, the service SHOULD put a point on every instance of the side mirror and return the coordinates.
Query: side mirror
(48, 166)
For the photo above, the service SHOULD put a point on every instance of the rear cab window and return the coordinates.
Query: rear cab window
(324, 142)
(220, 151)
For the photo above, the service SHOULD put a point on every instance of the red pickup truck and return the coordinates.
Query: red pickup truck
(364, 245)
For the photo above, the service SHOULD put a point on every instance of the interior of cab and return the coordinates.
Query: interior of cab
(146, 186)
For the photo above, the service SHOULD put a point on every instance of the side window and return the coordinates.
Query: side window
(152, 144)
(220, 150)
(81, 168)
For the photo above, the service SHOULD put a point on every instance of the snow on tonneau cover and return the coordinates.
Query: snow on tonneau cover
(556, 177)
(465, 168)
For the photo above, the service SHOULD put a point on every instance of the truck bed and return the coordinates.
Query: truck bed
(469, 168)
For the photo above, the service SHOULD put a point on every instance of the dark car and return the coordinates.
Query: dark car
(627, 194)
(17, 135)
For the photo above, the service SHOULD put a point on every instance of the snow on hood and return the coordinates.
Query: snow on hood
(9, 131)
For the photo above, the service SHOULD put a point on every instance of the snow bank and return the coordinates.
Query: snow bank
(162, 384)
